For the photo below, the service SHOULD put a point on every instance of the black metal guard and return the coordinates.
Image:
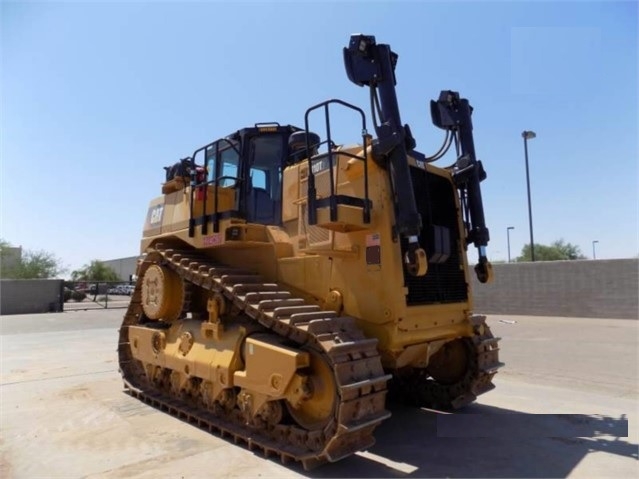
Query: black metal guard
(333, 200)
(453, 113)
(205, 185)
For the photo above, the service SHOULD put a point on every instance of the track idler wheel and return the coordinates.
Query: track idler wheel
(317, 409)
(162, 293)
(451, 363)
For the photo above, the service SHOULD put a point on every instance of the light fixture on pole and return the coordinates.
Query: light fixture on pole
(594, 256)
(529, 135)
(508, 236)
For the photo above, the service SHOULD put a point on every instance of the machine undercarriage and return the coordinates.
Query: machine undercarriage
(341, 396)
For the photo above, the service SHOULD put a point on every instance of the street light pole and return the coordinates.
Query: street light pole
(508, 235)
(594, 256)
(529, 135)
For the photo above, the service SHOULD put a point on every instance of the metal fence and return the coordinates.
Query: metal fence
(83, 295)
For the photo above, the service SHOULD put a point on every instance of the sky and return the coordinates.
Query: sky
(97, 97)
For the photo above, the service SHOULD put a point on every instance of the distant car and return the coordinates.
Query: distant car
(122, 289)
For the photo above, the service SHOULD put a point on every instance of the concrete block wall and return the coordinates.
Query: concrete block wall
(599, 289)
(30, 296)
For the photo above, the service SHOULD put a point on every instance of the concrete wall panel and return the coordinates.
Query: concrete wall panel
(28, 296)
(601, 289)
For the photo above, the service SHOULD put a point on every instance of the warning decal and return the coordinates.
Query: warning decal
(373, 240)
(212, 240)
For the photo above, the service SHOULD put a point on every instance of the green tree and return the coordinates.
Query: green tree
(95, 271)
(557, 251)
(26, 264)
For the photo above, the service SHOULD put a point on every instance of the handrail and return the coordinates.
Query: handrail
(312, 192)
(234, 144)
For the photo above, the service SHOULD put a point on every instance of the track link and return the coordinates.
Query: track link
(353, 358)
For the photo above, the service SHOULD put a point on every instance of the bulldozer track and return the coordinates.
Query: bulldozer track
(419, 390)
(359, 376)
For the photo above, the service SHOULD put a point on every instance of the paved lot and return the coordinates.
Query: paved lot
(100, 301)
(63, 413)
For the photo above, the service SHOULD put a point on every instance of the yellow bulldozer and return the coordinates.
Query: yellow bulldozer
(288, 284)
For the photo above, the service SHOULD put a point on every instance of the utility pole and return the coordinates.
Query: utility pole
(508, 235)
(529, 135)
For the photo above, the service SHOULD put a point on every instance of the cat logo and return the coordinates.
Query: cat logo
(155, 214)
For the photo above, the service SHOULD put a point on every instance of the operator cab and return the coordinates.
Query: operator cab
(249, 161)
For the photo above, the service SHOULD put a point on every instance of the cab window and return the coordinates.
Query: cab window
(223, 163)
(258, 178)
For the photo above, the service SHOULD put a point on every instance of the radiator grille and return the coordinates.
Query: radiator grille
(444, 282)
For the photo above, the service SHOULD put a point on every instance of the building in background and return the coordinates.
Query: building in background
(124, 267)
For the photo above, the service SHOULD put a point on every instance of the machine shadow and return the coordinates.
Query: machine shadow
(408, 445)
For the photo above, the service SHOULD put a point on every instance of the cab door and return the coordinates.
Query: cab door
(263, 192)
